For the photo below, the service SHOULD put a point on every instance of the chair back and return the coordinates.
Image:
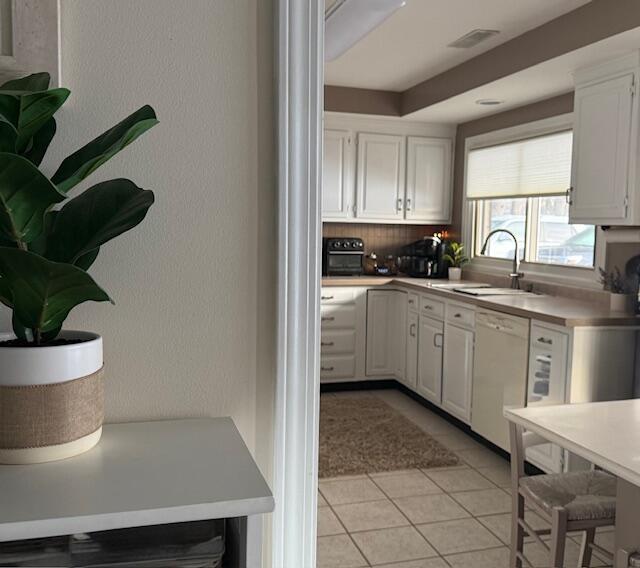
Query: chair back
(520, 441)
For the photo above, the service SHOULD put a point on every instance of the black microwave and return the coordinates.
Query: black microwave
(342, 256)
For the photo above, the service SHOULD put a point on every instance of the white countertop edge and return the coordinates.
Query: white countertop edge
(578, 449)
(43, 528)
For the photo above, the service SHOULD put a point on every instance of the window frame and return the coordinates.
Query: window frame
(583, 276)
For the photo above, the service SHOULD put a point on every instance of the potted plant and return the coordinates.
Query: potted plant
(51, 384)
(456, 259)
(614, 283)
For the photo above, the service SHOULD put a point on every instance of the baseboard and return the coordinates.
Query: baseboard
(530, 469)
(359, 385)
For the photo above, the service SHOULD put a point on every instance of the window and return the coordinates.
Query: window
(520, 187)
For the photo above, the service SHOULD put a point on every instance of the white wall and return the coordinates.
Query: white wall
(192, 332)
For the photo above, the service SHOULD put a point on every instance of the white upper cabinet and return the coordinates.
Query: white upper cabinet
(380, 177)
(428, 194)
(386, 171)
(604, 175)
(337, 175)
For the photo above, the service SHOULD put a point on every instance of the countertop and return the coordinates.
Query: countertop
(558, 310)
(591, 430)
(141, 473)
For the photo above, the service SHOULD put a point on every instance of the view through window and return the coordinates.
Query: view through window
(536, 172)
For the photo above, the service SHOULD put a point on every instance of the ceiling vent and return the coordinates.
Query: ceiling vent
(473, 38)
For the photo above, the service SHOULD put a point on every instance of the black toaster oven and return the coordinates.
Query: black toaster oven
(342, 256)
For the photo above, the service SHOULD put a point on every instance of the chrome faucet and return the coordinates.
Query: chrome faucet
(515, 271)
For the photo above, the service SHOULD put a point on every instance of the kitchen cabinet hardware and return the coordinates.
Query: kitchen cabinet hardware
(412, 330)
(408, 205)
(327, 343)
(399, 204)
(545, 340)
(328, 318)
(435, 340)
(327, 297)
(458, 315)
(327, 369)
(568, 196)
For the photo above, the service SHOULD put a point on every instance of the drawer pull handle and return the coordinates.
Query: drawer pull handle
(545, 340)
(326, 297)
(428, 307)
(326, 369)
(326, 344)
(435, 340)
(328, 318)
(457, 315)
(412, 330)
(411, 302)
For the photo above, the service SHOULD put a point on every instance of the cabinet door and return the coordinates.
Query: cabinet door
(337, 175)
(430, 338)
(380, 179)
(601, 145)
(411, 371)
(428, 179)
(399, 336)
(457, 372)
(380, 307)
(548, 364)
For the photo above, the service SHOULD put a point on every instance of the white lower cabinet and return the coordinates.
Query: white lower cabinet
(411, 370)
(430, 343)
(386, 321)
(457, 372)
(342, 338)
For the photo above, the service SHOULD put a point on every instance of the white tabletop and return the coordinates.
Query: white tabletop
(604, 433)
(141, 473)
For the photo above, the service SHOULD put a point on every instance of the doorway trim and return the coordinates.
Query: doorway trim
(300, 29)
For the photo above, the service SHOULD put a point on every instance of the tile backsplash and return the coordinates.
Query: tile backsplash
(381, 239)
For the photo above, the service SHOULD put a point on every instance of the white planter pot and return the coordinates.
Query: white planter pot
(621, 302)
(455, 273)
(51, 399)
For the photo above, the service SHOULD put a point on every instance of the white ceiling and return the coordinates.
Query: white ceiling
(552, 77)
(411, 45)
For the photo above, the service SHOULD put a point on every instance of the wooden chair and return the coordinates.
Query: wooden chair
(575, 501)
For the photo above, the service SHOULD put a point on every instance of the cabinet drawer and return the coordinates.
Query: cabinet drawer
(545, 338)
(337, 367)
(461, 315)
(338, 316)
(413, 301)
(340, 341)
(330, 295)
(431, 308)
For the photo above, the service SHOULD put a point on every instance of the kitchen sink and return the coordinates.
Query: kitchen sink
(490, 291)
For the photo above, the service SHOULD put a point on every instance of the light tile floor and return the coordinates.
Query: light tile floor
(434, 518)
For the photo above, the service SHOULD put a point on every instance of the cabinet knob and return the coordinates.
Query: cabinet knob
(569, 197)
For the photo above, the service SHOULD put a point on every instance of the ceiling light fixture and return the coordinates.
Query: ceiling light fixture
(348, 21)
(489, 102)
(473, 38)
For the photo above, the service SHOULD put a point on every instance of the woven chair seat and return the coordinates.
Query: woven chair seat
(586, 495)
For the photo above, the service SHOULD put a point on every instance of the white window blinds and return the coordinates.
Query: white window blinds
(526, 168)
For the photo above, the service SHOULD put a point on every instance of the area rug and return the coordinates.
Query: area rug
(363, 434)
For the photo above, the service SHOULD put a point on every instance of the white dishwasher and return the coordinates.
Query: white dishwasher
(499, 372)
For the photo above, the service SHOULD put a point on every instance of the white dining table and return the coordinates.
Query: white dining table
(608, 435)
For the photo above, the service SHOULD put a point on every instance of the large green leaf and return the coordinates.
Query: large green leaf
(25, 196)
(36, 109)
(44, 292)
(96, 216)
(40, 142)
(31, 83)
(80, 164)
(8, 136)
(29, 112)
